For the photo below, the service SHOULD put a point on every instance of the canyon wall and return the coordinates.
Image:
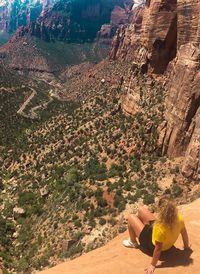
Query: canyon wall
(168, 42)
(17, 13)
(65, 20)
(80, 20)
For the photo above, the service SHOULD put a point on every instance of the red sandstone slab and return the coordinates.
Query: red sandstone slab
(113, 258)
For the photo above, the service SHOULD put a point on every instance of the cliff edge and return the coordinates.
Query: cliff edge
(167, 43)
(113, 258)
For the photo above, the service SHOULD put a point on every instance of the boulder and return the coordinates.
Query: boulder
(18, 212)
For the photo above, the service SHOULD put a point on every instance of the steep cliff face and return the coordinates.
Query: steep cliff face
(17, 13)
(156, 25)
(169, 42)
(182, 136)
(67, 21)
(119, 17)
(74, 21)
(126, 41)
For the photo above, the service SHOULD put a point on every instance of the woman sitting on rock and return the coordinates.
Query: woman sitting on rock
(156, 234)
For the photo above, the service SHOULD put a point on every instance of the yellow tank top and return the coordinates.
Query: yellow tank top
(166, 235)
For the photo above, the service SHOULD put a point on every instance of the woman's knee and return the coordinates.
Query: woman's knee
(135, 224)
(145, 215)
(132, 218)
(142, 210)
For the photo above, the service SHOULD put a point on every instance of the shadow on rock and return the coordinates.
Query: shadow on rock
(174, 257)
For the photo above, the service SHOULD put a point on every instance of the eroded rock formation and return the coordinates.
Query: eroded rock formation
(17, 13)
(119, 17)
(182, 130)
(168, 41)
(74, 21)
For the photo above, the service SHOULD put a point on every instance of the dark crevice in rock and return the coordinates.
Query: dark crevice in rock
(171, 40)
(165, 50)
(168, 5)
(148, 2)
(194, 106)
(166, 141)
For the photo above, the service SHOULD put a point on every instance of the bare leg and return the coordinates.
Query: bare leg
(135, 226)
(145, 215)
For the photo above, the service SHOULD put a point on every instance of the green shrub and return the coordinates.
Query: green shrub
(101, 202)
(98, 193)
(22, 265)
(121, 206)
(148, 199)
(140, 184)
(102, 221)
(136, 165)
(128, 186)
(92, 223)
(59, 171)
(176, 190)
(95, 170)
(77, 223)
(153, 187)
(27, 198)
(112, 221)
(132, 198)
(116, 170)
(71, 176)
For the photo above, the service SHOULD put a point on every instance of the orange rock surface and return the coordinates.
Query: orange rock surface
(113, 258)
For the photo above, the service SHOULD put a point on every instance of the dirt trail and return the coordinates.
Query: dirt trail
(25, 104)
(32, 113)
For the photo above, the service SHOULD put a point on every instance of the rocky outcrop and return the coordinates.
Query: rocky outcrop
(71, 21)
(182, 136)
(74, 21)
(126, 41)
(120, 16)
(22, 55)
(153, 28)
(114, 258)
(182, 130)
(169, 42)
(17, 13)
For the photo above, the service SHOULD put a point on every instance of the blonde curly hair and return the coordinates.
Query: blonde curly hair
(167, 212)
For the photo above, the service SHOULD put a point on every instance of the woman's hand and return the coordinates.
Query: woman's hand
(185, 238)
(187, 247)
(150, 269)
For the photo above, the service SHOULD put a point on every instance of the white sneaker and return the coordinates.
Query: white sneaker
(129, 243)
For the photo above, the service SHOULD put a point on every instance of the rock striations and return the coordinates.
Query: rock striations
(17, 13)
(164, 37)
(78, 21)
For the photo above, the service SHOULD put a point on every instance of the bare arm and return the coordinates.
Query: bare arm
(155, 258)
(185, 238)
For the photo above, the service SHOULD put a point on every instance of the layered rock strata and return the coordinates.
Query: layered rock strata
(17, 13)
(119, 16)
(169, 42)
(75, 21)
(182, 130)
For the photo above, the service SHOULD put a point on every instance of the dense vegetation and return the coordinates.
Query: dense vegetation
(63, 54)
(80, 166)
